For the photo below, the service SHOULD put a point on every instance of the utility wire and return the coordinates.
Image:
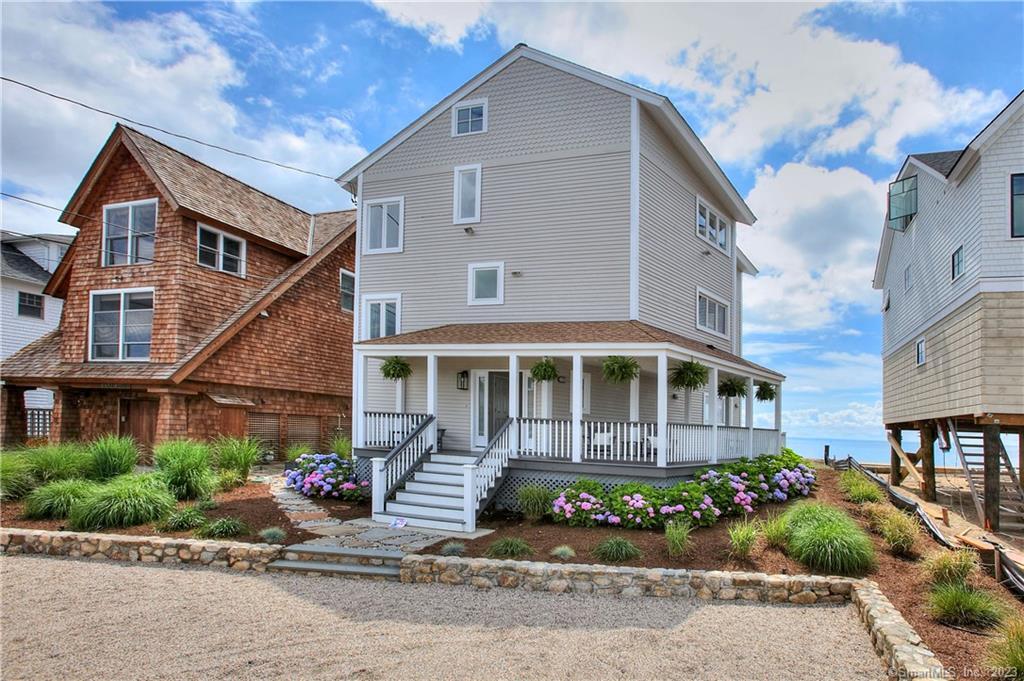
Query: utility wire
(69, 100)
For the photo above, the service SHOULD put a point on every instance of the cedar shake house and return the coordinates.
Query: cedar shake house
(194, 305)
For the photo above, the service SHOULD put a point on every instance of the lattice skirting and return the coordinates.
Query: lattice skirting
(363, 469)
(507, 497)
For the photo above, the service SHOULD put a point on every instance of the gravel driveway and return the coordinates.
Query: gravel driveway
(75, 620)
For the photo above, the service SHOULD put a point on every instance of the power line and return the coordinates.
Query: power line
(69, 100)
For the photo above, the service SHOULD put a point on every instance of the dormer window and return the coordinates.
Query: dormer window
(129, 231)
(712, 227)
(469, 118)
(220, 251)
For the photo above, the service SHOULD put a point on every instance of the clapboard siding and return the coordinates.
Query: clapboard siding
(1003, 367)
(17, 332)
(1002, 255)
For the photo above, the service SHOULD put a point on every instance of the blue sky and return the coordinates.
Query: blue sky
(810, 109)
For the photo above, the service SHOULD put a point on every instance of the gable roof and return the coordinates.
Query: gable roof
(201, 191)
(940, 161)
(17, 265)
(662, 107)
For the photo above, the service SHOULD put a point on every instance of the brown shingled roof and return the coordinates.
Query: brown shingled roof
(513, 333)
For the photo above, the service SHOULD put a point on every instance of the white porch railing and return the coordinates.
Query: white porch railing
(392, 470)
(766, 441)
(732, 442)
(689, 443)
(620, 441)
(549, 438)
(480, 477)
(386, 429)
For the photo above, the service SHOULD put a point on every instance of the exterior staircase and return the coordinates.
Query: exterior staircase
(432, 497)
(969, 446)
(310, 559)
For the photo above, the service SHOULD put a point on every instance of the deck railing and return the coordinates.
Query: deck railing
(766, 441)
(481, 476)
(620, 441)
(733, 442)
(386, 429)
(689, 443)
(549, 438)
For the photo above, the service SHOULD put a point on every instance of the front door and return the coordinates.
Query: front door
(490, 404)
(138, 419)
(497, 394)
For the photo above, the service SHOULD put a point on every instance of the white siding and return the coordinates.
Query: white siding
(1002, 256)
(17, 332)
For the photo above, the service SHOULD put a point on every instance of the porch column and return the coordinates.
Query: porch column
(778, 415)
(662, 410)
(634, 399)
(513, 404)
(713, 396)
(750, 417)
(577, 408)
(400, 396)
(432, 397)
(13, 426)
(358, 399)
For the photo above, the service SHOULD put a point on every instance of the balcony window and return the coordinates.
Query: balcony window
(902, 203)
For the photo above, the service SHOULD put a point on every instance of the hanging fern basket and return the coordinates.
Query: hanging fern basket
(765, 392)
(688, 376)
(544, 370)
(395, 369)
(732, 387)
(620, 369)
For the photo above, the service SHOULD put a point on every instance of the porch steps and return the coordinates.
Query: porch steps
(432, 497)
(970, 447)
(337, 561)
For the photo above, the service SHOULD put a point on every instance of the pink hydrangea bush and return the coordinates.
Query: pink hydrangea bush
(327, 476)
(579, 507)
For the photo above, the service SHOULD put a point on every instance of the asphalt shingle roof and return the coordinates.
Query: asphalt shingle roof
(939, 161)
(17, 265)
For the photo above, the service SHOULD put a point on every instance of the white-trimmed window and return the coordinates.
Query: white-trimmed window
(30, 305)
(219, 250)
(712, 314)
(908, 278)
(120, 325)
(712, 227)
(382, 225)
(382, 315)
(919, 351)
(347, 287)
(486, 283)
(466, 202)
(957, 264)
(129, 232)
(469, 117)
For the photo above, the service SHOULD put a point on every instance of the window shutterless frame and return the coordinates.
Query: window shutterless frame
(957, 264)
(727, 314)
(467, 194)
(1016, 211)
(499, 290)
(30, 305)
(123, 293)
(712, 227)
(920, 352)
(473, 117)
(379, 301)
(219, 250)
(392, 220)
(130, 234)
(347, 290)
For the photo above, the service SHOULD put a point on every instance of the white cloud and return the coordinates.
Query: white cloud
(776, 74)
(766, 350)
(854, 416)
(171, 73)
(851, 332)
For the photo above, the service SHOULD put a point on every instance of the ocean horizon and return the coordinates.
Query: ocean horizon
(877, 451)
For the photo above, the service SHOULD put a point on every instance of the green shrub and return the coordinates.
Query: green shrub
(775, 531)
(950, 567)
(341, 445)
(617, 550)
(229, 479)
(55, 499)
(124, 501)
(295, 451)
(238, 454)
(113, 455)
(221, 528)
(859, 489)
(742, 535)
(60, 462)
(677, 538)
(185, 466)
(187, 518)
(827, 540)
(206, 504)
(535, 501)
(509, 547)
(876, 512)
(273, 535)
(1006, 653)
(900, 532)
(563, 552)
(453, 548)
(963, 606)
(16, 479)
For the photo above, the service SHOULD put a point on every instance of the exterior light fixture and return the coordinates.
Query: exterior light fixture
(462, 380)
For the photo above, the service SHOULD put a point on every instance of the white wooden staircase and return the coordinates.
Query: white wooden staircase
(969, 446)
(433, 495)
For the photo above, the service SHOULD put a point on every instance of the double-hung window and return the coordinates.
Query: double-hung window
(920, 352)
(382, 316)
(220, 251)
(30, 305)
(382, 225)
(712, 227)
(712, 314)
(487, 283)
(348, 290)
(957, 263)
(469, 117)
(466, 203)
(1017, 205)
(120, 324)
(129, 232)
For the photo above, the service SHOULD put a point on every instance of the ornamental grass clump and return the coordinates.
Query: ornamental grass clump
(900, 532)
(1006, 653)
(60, 462)
(963, 606)
(341, 445)
(742, 536)
(188, 518)
(237, 454)
(950, 567)
(294, 452)
(876, 512)
(859, 489)
(453, 548)
(123, 502)
(617, 550)
(563, 552)
(534, 501)
(185, 466)
(113, 455)
(509, 547)
(326, 476)
(16, 478)
(221, 528)
(55, 499)
(273, 535)
(827, 540)
(228, 480)
(775, 531)
(677, 537)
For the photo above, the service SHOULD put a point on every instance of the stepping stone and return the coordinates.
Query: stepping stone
(309, 515)
(337, 531)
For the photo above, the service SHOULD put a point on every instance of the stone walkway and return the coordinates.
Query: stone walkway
(361, 533)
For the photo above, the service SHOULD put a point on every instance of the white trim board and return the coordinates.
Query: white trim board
(634, 209)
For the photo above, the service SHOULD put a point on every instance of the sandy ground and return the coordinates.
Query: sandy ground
(77, 620)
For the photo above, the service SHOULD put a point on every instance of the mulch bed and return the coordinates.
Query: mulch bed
(345, 510)
(251, 503)
(902, 580)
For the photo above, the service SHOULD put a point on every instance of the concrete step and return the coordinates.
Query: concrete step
(427, 522)
(444, 478)
(424, 511)
(342, 555)
(434, 488)
(440, 500)
(319, 567)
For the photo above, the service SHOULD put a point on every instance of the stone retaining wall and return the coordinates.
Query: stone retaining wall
(234, 555)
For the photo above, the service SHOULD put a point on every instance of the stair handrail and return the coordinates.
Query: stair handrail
(403, 459)
(490, 464)
(954, 437)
